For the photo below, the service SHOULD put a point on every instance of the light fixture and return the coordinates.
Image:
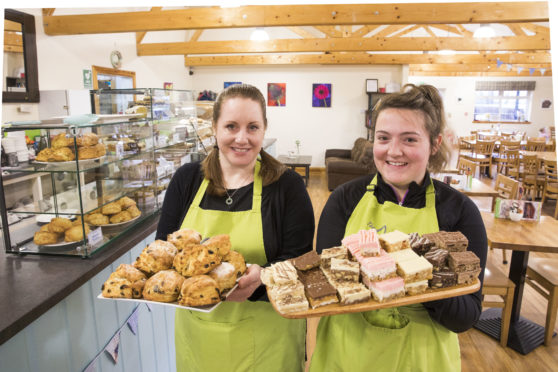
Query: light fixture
(259, 34)
(484, 31)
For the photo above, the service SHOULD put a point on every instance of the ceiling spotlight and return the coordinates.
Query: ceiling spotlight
(484, 31)
(259, 34)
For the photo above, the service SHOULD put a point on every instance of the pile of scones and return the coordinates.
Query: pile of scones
(62, 148)
(184, 268)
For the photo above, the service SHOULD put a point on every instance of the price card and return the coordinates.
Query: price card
(95, 237)
(175, 138)
(148, 143)
(119, 149)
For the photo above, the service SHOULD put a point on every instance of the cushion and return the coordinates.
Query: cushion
(356, 152)
(367, 154)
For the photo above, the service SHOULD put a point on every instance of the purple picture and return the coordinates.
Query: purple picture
(321, 95)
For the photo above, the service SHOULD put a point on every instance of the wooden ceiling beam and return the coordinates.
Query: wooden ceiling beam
(506, 43)
(296, 15)
(12, 26)
(330, 31)
(364, 30)
(474, 67)
(302, 32)
(516, 29)
(48, 11)
(366, 58)
(478, 73)
(141, 35)
(196, 35)
(390, 29)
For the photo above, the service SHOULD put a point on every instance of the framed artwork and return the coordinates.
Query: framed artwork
(276, 94)
(321, 95)
(168, 85)
(371, 85)
(229, 83)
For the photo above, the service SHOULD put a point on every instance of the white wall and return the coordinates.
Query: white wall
(61, 60)
(460, 114)
(317, 128)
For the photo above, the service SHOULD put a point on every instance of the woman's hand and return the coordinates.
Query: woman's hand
(247, 284)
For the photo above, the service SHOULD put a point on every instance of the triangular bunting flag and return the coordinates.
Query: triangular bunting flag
(92, 367)
(112, 347)
(509, 67)
(519, 69)
(543, 70)
(499, 63)
(531, 71)
(148, 306)
(133, 321)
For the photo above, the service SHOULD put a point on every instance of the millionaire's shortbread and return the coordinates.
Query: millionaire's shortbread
(463, 261)
(307, 261)
(345, 270)
(318, 290)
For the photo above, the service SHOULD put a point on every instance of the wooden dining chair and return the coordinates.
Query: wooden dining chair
(507, 189)
(550, 190)
(542, 275)
(535, 144)
(465, 166)
(481, 154)
(507, 156)
(497, 283)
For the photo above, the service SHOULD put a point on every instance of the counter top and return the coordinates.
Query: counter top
(31, 284)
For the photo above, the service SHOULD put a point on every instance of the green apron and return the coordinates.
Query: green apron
(398, 339)
(247, 336)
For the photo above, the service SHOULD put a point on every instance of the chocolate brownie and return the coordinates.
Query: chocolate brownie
(437, 257)
(307, 261)
(420, 244)
(442, 279)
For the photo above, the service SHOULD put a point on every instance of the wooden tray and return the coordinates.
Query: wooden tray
(429, 295)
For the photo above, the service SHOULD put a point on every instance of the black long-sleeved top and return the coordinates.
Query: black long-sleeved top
(455, 212)
(287, 214)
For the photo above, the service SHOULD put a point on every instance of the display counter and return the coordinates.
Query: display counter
(31, 284)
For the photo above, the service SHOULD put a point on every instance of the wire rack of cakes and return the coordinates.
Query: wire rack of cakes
(184, 270)
(371, 271)
(62, 148)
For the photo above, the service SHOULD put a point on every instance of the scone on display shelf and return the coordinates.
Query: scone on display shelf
(60, 230)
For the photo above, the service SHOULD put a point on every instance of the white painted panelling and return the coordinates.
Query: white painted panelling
(68, 336)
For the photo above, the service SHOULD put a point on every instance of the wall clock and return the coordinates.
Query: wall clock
(116, 59)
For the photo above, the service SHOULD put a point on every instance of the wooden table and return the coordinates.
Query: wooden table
(521, 237)
(541, 155)
(298, 161)
(478, 188)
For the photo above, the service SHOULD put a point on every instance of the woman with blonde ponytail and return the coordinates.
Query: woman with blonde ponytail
(242, 191)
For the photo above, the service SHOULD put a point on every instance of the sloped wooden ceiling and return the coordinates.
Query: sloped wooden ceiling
(343, 34)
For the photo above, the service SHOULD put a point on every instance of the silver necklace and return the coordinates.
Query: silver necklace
(229, 200)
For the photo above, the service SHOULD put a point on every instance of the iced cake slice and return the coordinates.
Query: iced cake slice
(329, 253)
(350, 241)
(279, 292)
(415, 270)
(388, 289)
(345, 270)
(378, 268)
(290, 304)
(403, 255)
(416, 288)
(394, 241)
(283, 273)
(369, 243)
(353, 293)
(463, 261)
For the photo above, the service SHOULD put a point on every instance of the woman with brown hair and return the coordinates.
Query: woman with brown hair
(242, 191)
(408, 144)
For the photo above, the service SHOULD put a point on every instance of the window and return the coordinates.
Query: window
(503, 101)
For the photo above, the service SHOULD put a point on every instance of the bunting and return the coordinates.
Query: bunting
(509, 67)
(113, 345)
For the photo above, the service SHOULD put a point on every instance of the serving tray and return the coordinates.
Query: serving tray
(335, 309)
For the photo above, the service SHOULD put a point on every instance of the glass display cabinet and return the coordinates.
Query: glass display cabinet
(99, 175)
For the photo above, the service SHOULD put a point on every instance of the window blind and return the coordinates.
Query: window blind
(505, 85)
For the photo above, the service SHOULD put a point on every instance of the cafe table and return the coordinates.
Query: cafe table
(477, 189)
(541, 155)
(521, 237)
